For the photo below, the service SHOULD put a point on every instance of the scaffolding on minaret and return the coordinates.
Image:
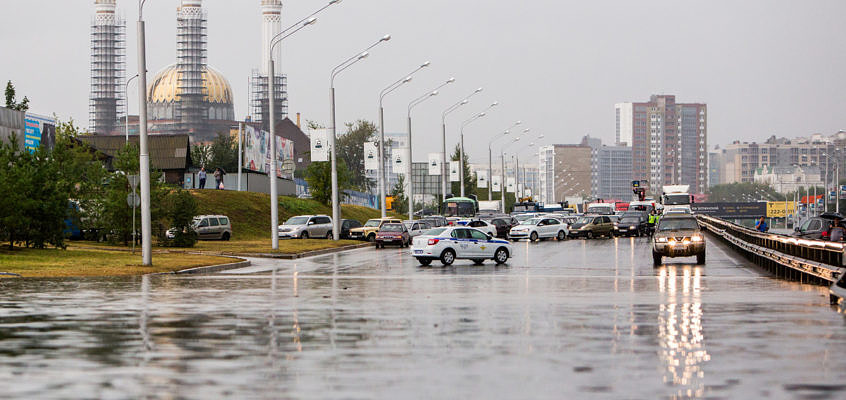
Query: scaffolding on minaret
(259, 98)
(191, 63)
(106, 104)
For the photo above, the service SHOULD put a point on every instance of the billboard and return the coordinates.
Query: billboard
(38, 129)
(434, 164)
(482, 179)
(495, 183)
(453, 172)
(371, 156)
(257, 151)
(510, 184)
(398, 160)
(778, 209)
(731, 210)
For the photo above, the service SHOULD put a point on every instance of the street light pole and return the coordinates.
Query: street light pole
(410, 167)
(381, 174)
(504, 179)
(144, 151)
(444, 161)
(461, 144)
(336, 205)
(271, 85)
(490, 157)
(126, 96)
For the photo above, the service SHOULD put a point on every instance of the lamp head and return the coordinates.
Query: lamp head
(406, 80)
(494, 104)
(363, 55)
(465, 101)
(478, 90)
(385, 38)
(526, 130)
(426, 64)
(310, 21)
(481, 115)
(541, 136)
(334, 2)
(434, 93)
(450, 80)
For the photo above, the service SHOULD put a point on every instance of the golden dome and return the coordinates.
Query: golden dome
(164, 88)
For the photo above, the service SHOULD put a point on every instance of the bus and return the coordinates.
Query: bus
(463, 207)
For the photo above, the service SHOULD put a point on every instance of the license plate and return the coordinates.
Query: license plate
(418, 251)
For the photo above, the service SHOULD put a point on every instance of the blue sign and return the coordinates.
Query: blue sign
(34, 130)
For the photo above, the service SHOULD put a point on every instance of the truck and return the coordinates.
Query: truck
(600, 208)
(489, 206)
(676, 197)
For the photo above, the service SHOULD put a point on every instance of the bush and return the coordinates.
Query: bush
(179, 209)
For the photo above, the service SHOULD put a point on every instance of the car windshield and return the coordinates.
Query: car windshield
(585, 220)
(630, 220)
(676, 199)
(677, 224)
(435, 232)
(599, 210)
(533, 221)
(523, 217)
(296, 221)
(372, 223)
(392, 228)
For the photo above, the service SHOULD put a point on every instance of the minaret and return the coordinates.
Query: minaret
(191, 63)
(108, 65)
(271, 25)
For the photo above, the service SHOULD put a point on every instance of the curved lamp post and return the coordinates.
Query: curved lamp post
(444, 162)
(461, 143)
(490, 156)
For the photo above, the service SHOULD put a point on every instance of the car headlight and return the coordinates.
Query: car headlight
(661, 240)
(696, 238)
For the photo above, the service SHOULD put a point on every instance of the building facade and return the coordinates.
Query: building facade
(564, 170)
(788, 179)
(611, 172)
(668, 141)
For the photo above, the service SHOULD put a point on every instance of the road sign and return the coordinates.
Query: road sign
(133, 181)
(777, 209)
(133, 200)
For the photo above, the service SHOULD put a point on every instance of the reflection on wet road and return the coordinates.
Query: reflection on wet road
(562, 320)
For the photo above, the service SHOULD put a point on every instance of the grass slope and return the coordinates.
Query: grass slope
(250, 212)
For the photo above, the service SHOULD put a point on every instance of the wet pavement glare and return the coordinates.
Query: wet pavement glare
(574, 319)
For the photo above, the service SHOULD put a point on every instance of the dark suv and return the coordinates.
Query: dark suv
(816, 227)
(503, 225)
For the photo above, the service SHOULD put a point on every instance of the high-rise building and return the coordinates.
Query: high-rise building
(108, 65)
(611, 173)
(668, 140)
(271, 25)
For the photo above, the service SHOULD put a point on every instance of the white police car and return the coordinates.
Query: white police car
(451, 243)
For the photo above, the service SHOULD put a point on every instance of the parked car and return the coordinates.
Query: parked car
(592, 226)
(453, 243)
(631, 225)
(393, 234)
(208, 227)
(306, 226)
(368, 231)
(483, 226)
(678, 236)
(539, 228)
(346, 225)
(415, 228)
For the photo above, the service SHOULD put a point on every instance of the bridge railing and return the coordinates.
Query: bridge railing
(812, 261)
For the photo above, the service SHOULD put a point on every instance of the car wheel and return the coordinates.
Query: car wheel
(656, 259)
(424, 261)
(371, 238)
(329, 235)
(304, 235)
(478, 261)
(589, 235)
(561, 236)
(533, 237)
(501, 256)
(448, 257)
(700, 258)
(225, 236)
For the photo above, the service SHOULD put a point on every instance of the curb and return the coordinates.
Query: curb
(212, 268)
(303, 255)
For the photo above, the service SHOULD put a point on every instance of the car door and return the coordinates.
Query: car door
(214, 228)
(203, 229)
(481, 247)
(553, 226)
(465, 246)
(325, 224)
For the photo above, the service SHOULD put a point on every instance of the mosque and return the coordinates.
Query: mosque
(187, 97)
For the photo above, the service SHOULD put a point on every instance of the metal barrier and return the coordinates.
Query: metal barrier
(809, 261)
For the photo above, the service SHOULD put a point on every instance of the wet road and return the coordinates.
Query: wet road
(575, 319)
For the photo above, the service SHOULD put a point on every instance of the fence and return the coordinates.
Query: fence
(809, 261)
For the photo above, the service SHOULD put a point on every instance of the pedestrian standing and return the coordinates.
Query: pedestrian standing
(218, 178)
(202, 177)
(837, 232)
(762, 226)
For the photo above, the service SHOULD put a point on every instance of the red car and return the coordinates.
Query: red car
(393, 234)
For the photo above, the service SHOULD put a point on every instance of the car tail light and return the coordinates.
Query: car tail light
(433, 242)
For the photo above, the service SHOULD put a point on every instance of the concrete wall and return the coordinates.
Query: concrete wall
(250, 182)
(12, 121)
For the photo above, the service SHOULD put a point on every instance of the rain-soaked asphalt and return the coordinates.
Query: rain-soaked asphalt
(569, 320)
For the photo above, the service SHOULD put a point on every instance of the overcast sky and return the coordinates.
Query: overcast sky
(764, 67)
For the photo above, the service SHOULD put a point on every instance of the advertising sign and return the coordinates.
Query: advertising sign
(257, 151)
(320, 145)
(731, 210)
(371, 156)
(496, 183)
(482, 179)
(453, 172)
(398, 160)
(434, 164)
(36, 130)
(510, 183)
(778, 209)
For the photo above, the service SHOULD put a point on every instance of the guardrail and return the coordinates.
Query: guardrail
(809, 261)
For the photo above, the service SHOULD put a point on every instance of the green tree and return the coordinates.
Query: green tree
(10, 99)
(742, 192)
(180, 210)
(351, 150)
(221, 152)
(469, 178)
(319, 178)
(400, 204)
